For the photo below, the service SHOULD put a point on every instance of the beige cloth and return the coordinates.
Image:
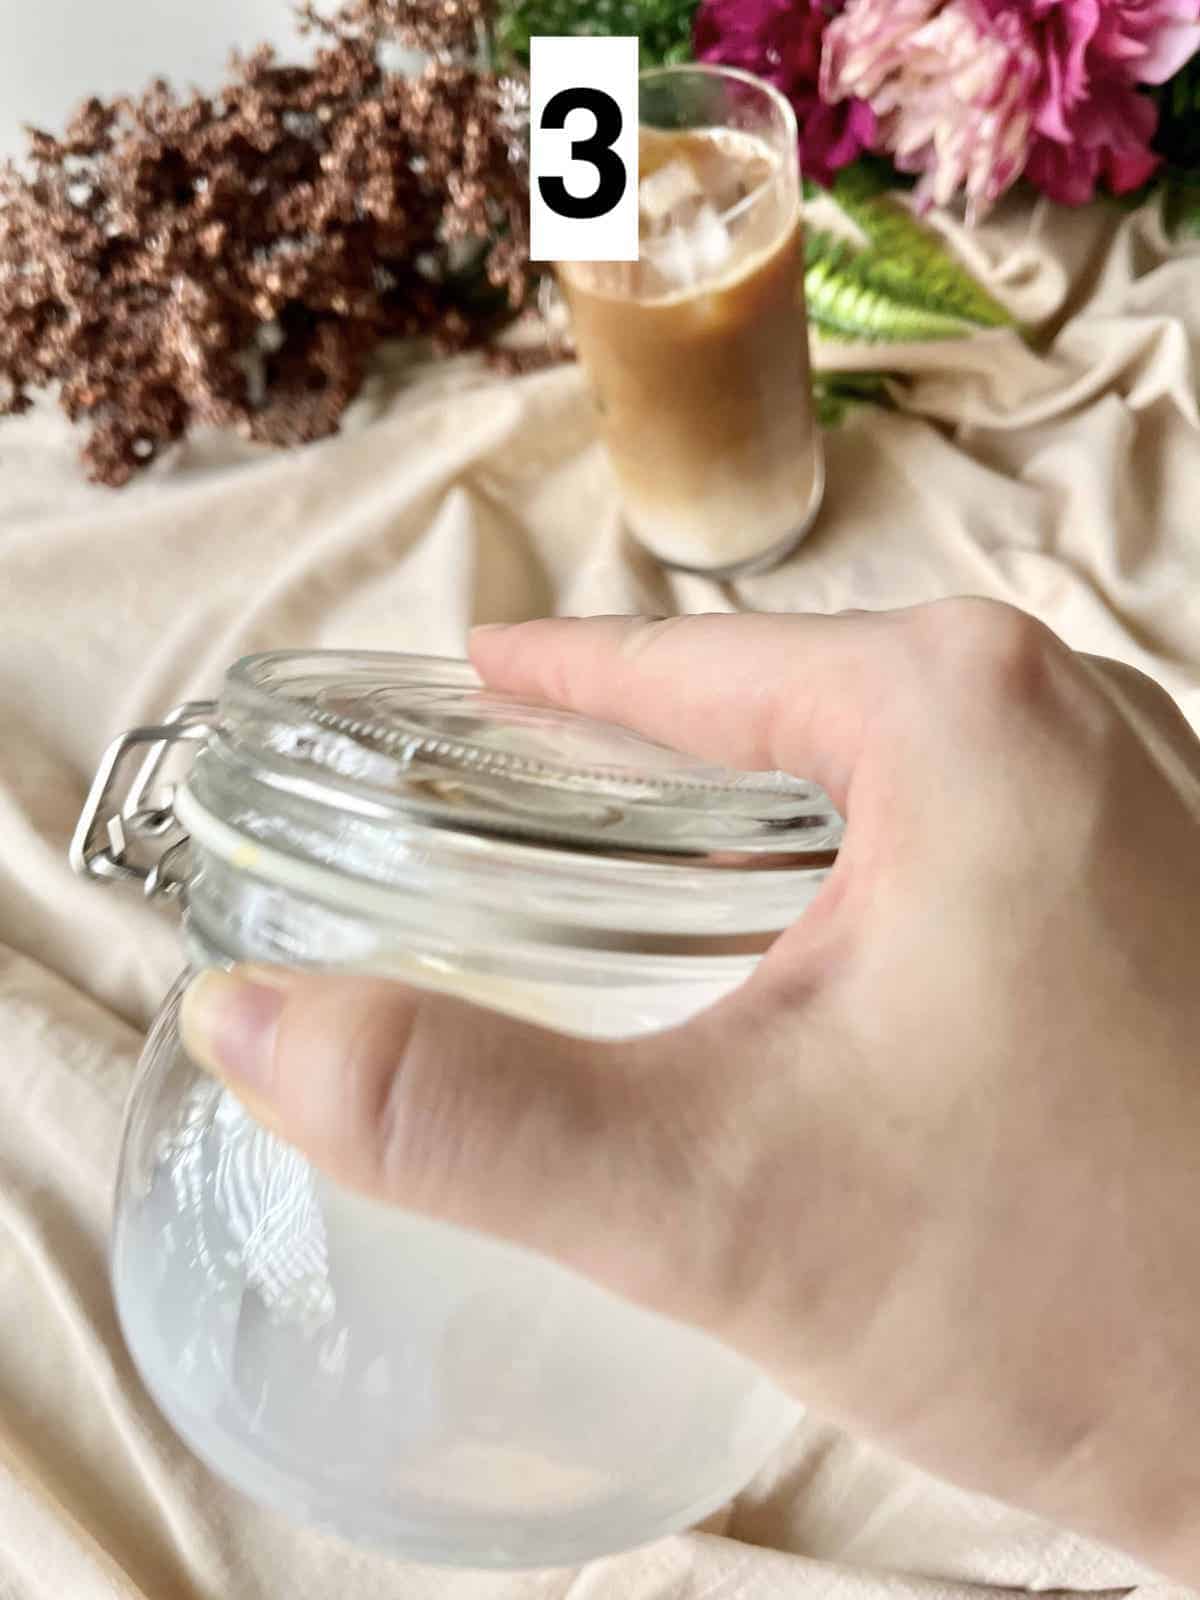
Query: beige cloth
(1066, 481)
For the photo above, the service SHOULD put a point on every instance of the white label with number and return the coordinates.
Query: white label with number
(583, 147)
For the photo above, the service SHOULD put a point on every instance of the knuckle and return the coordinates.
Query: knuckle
(416, 1122)
(1134, 689)
(363, 1102)
(457, 1127)
(986, 653)
(643, 635)
(1140, 710)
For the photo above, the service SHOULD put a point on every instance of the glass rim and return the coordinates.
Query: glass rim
(749, 80)
(650, 802)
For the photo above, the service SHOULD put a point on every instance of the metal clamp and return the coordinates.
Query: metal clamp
(101, 844)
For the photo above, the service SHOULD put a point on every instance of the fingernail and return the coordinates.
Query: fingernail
(488, 627)
(228, 1022)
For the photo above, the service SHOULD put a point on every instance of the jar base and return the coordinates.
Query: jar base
(468, 1542)
(475, 1406)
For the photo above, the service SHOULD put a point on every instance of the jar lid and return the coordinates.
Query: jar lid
(420, 737)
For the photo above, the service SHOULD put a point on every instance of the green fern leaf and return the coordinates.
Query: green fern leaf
(1178, 133)
(907, 261)
(836, 394)
(841, 306)
(663, 27)
(848, 301)
(864, 179)
(1181, 205)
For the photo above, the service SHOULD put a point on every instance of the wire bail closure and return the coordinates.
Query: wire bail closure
(107, 830)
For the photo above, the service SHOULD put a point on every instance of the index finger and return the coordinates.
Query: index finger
(759, 692)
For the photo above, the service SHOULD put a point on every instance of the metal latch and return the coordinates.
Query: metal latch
(107, 830)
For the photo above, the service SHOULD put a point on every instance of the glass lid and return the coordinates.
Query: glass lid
(419, 736)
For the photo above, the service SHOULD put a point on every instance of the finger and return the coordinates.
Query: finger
(809, 695)
(590, 1153)
(757, 692)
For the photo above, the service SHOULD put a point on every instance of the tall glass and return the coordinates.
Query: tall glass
(697, 353)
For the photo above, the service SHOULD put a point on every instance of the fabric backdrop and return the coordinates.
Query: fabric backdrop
(1064, 477)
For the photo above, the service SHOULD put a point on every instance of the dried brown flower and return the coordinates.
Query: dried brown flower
(443, 28)
(234, 259)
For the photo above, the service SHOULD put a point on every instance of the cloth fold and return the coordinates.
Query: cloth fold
(1059, 474)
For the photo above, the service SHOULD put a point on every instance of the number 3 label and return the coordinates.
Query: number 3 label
(583, 149)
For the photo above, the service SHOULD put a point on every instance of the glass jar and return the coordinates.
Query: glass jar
(395, 1380)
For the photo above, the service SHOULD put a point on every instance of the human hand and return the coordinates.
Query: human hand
(936, 1166)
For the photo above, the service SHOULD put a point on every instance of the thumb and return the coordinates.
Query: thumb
(600, 1155)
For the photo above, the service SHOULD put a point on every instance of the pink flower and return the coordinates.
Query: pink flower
(1110, 143)
(780, 40)
(973, 93)
(1092, 125)
(951, 87)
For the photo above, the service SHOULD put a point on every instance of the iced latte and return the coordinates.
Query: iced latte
(698, 353)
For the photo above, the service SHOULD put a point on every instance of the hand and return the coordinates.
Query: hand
(937, 1165)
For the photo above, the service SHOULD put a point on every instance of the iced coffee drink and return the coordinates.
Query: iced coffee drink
(697, 353)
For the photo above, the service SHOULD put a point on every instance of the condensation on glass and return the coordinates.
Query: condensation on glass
(398, 1381)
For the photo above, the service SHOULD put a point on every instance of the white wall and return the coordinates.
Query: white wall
(54, 53)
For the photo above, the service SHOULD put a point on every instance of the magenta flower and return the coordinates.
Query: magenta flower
(1092, 125)
(781, 40)
(973, 93)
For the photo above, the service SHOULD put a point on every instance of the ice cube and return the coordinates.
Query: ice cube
(709, 242)
(723, 171)
(675, 261)
(667, 190)
(688, 256)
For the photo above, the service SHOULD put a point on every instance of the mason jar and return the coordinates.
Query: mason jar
(395, 1380)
